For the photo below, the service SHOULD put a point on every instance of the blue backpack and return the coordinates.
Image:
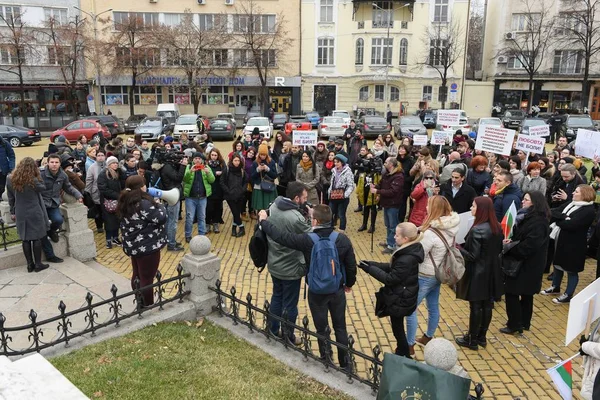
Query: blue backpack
(325, 274)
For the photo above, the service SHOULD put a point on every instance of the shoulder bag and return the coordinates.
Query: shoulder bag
(509, 264)
(110, 206)
(336, 194)
(266, 185)
(452, 267)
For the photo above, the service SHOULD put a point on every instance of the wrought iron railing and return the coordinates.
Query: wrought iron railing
(62, 323)
(5, 230)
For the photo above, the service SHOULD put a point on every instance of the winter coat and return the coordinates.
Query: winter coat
(363, 193)
(548, 175)
(433, 247)
(449, 169)
(571, 243)
(216, 192)
(91, 181)
(400, 278)
(188, 180)
(109, 188)
(462, 201)
(7, 157)
(591, 366)
(407, 163)
(479, 181)
(505, 198)
(146, 154)
(172, 176)
(354, 149)
(88, 163)
(391, 149)
(54, 185)
(568, 187)
(529, 184)
(517, 175)
(342, 180)
(144, 232)
(391, 188)
(282, 262)
(310, 180)
(325, 178)
(483, 279)
(233, 183)
(269, 175)
(532, 233)
(248, 168)
(29, 209)
(418, 213)
(320, 156)
(75, 180)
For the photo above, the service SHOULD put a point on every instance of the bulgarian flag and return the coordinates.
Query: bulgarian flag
(562, 376)
(509, 220)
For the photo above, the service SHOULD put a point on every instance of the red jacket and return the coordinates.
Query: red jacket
(418, 213)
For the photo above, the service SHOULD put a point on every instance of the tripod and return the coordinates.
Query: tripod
(368, 181)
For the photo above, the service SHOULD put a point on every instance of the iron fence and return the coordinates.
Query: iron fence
(6, 238)
(62, 323)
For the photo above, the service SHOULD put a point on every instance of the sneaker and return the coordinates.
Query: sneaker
(109, 244)
(117, 242)
(550, 291)
(387, 250)
(562, 299)
(174, 248)
(54, 259)
(100, 230)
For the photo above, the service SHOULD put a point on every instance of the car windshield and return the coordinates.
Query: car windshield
(280, 116)
(515, 113)
(225, 115)
(219, 122)
(580, 121)
(258, 122)
(333, 120)
(253, 114)
(135, 118)
(490, 121)
(151, 122)
(186, 120)
(341, 114)
(410, 121)
(375, 120)
(534, 122)
(313, 115)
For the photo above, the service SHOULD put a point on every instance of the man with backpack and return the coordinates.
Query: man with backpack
(331, 273)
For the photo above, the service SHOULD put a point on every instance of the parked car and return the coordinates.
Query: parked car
(133, 121)
(186, 123)
(512, 119)
(332, 126)
(152, 127)
(90, 128)
(345, 115)
(262, 123)
(221, 128)
(19, 135)
(314, 118)
(528, 122)
(297, 126)
(228, 116)
(251, 114)
(111, 122)
(408, 126)
(463, 125)
(574, 122)
(298, 119)
(430, 119)
(373, 126)
(279, 120)
(486, 121)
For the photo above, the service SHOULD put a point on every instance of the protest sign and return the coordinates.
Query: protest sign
(420, 140)
(531, 144)
(439, 137)
(539, 130)
(466, 222)
(495, 139)
(587, 143)
(448, 117)
(304, 138)
(583, 308)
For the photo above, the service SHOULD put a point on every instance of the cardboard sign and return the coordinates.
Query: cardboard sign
(420, 140)
(579, 308)
(495, 139)
(439, 137)
(539, 130)
(304, 138)
(465, 224)
(531, 144)
(448, 117)
(587, 143)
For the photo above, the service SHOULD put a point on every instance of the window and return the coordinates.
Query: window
(112, 95)
(325, 51)
(394, 93)
(567, 62)
(218, 58)
(326, 11)
(8, 55)
(381, 51)
(211, 21)
(88, 125)
(58, 55)
(245, 58)
(59, 15)
(525, 22)
(179, 95)
(517, 62)
(438, 49)
(141, 20)
(403, 51)
(383, 14)
(176, 57)
(442, 94)
(173, 19)
(440, 11)
(379, 89)
(140, 56)
(9, 14)
(215, 95)
(363, 93)
(360, 52)
(257, 23)
(427, 93)
(570, 23)
(148, 95)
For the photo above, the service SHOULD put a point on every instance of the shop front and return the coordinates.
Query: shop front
(550, 96)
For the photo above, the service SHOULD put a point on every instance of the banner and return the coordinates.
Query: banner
(582, 305)
(495, 139)
(587, 143)
(439, 137)
(304, 138)
(531, 144)
(420, 140)
(539, 130)
(448, 117)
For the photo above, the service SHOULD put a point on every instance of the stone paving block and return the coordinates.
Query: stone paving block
(15, 290)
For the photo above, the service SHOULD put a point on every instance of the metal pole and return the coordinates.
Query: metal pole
(98, 82)
(387, 65)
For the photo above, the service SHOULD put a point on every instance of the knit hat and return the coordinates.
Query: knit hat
(341, 158)
(255, 131)
(111, 160)
(263, 149)
(321, 143)
(332, 138)
(61, 139)
(339, 141)
(198, 154)
(168, 139)
(92, 143)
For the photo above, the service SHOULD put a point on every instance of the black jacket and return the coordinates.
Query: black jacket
(401, 279)
(144, 232)
(303, 242)
(407, 163)
(172, 176)
(571, 243)
(391, 189)
(568, 187)
(478, 180)
(217, 191)
(110, 188)
(464, 197)
(233, 183)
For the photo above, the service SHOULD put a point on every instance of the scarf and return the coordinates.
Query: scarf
(306, 165)
(567, 211)
(328, 165)
(521, 215)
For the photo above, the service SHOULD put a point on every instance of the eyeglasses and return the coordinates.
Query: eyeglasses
(429, 177)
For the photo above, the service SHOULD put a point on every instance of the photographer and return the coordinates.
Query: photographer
(171, 177)
(369, 173)
(197, 187)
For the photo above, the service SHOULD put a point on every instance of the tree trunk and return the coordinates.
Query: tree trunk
(585, 91)
(530, 100)
(22, 96)
(131, 92)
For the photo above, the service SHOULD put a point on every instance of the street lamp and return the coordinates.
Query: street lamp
(94, 18)
(387, 45)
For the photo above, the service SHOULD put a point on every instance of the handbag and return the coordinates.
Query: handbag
(380, 304)
(337, 194)
(110, 206)
(266, 185)
(509, 264)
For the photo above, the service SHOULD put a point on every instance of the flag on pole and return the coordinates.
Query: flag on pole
(509, 220)
(562, 376)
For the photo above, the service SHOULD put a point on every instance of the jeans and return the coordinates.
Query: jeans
(195, 207)
(572, 280)
(335, 305)
(519, 310)
(172, 217)
(2, 183)
(56, 221)
(338, 209)
(429, 289)
(398, 330)
(390, 219)
(285, 298)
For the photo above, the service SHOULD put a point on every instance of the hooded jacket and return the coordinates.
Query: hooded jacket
(433, 246)
(391, 188)
(91, 180)
(505, 198)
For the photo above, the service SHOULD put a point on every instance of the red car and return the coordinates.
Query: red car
(89, 128)
(297, 126)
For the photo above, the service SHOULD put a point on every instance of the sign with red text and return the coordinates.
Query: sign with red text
(539, 130)
(531, 144)
(420, 140)
(304, 138)
(439, 137)
(495, 139)
(448, 117)
(587, 143)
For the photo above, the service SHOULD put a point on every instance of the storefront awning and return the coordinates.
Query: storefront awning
(562, 86)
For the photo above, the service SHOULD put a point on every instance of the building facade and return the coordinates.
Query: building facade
(365, 55)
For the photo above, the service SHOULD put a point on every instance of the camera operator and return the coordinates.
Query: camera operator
(171, 177)
(369, 173)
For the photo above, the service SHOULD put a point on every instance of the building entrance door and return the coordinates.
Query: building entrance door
(595, 110)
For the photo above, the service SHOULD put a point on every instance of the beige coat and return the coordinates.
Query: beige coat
(309, 180)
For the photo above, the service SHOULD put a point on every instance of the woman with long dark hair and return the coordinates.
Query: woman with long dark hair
(110, 184)
(482, 281)
(308, 172)
(263, 176)
(27, 209)
(248, 162)
(143, 225)
(325, 178)
(214, 203)
(233, 184)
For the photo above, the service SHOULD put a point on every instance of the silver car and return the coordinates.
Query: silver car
(332, 126)
(152, 127)
(409, 126)
(486, 121)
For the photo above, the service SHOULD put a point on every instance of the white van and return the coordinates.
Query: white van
(168, 110)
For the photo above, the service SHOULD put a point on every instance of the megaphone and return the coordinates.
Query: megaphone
(170, 196)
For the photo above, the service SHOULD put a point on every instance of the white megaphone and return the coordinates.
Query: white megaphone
(170, 196)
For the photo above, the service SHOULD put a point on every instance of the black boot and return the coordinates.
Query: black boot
(216, 228)
(486, 319)
(363, 227)
(242, 231)
(37, 256)
(234, 231)
(467, 341)
(373, 219)
(28, 255)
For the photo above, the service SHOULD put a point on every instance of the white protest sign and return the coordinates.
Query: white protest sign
(531, 144)
(587, 143)
(420, 140)
(439, 137)
(495, 139)
(539, 130)
(448, 117)
(304, 138)
(578, 310)
(466, 222)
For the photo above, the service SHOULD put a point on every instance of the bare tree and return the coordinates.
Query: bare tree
(475, 44)
(578, 29)
(17, 42)
(259, 41)
(529, 47)
(446, 45)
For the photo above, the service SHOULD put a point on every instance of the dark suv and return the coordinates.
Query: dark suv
(512, 119)
(574, 122)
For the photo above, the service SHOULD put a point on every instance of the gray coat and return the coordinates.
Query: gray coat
(91, 181)
(528, 184)
(54, 185)
(309, 180)
(28, 208)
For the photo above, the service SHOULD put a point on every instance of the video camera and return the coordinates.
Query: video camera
(165, 156)
(372, 165)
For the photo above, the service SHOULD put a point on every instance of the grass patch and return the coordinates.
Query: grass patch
(185, 361)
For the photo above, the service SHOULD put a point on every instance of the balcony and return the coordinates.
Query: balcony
(383, 13)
